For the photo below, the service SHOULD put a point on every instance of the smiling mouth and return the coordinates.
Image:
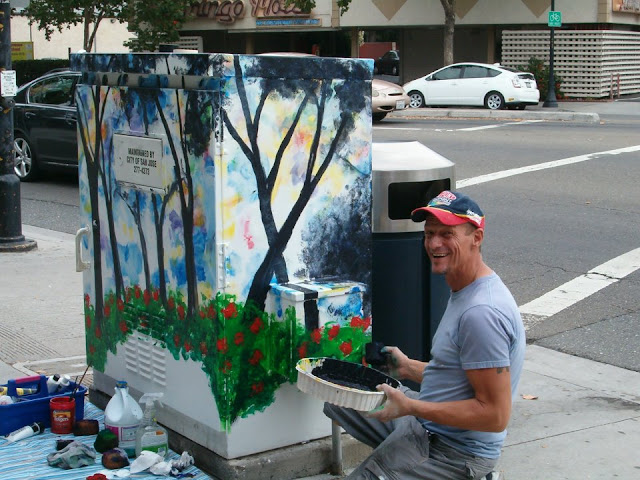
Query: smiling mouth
(439, 255)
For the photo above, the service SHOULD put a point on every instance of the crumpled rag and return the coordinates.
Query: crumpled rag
(74, 455)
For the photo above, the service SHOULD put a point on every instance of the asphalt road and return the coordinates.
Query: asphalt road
(545, 227)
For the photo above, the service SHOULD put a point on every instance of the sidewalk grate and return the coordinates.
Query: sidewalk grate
(16, 347)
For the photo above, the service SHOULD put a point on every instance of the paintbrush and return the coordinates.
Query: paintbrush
(73, 394)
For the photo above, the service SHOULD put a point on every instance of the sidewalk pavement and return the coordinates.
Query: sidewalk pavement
(572, 419)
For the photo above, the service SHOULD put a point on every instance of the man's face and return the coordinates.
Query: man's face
(450, 248)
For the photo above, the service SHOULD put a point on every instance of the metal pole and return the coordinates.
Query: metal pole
(11, 238)
(336, 450)
(551, 92)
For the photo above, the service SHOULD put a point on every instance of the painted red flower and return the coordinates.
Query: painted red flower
(333, 331)
(171, 303)
(107, 310)
(147, 297)
(123, 326)
(137, 291)
(87, 299)
(366, 323)
(127, 296)
(120, 304)
(222, 346)
(226, 367)
(98, 332)
(302, 349)
(187, 346)
(256, 326)
(176, 340)
(346, 348)
(316, 335)
(156, 295)
(202, 314)
(92, 349)
(257, 388)
(239, 338)
(256, 357)
(230, 311)
(87, 321)
(211, 312)
(143, 322)
(181, 312)
(203, 348)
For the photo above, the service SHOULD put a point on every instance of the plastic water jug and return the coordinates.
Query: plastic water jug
(123, 416)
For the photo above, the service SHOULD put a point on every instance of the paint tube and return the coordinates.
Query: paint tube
(20, 391)
(26, 432)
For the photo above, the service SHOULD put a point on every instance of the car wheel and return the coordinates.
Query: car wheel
(24, 163)
(416, 99)
(494, 101)
(379, 116)
(394, 70)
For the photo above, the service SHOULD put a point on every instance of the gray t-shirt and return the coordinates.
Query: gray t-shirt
(481, 328)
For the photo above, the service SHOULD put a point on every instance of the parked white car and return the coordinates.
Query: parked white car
(474, 84)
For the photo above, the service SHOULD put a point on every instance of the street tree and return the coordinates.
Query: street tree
(449, 7)
(152, 23)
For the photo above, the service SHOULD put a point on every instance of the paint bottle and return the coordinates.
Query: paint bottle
(63, 414)
(150, 435)
(53, 382)
(4, 390)
(26, 432)
(64, 383)
(123, 416)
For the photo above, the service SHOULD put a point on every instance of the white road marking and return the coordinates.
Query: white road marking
(486, 127)
(583, 286)
(489, 177)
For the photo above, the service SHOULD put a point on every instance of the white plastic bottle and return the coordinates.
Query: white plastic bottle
(123, 416)
(150, 435)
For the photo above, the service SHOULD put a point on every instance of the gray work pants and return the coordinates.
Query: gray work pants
(405, 450)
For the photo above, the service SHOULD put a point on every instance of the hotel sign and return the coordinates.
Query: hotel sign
(266, 12)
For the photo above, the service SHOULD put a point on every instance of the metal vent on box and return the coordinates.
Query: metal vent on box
(144, 358)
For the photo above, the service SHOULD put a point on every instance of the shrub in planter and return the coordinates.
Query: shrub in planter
(541, 73)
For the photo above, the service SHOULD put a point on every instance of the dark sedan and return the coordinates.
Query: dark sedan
(44, 125)
(389, 63)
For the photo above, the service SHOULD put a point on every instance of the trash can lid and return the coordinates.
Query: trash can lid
(396, 156)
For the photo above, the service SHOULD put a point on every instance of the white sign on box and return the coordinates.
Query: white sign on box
(138, 161)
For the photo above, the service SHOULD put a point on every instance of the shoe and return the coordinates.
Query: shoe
(493, 476)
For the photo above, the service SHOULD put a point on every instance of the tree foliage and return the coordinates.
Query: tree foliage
(52, 15)
(152, 23)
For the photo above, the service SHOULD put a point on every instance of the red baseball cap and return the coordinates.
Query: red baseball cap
(451, 208)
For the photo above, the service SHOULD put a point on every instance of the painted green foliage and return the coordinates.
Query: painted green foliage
(246, 353)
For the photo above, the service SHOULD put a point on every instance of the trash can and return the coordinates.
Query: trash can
(407, 299)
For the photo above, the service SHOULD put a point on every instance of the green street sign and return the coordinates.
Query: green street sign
(555, 19)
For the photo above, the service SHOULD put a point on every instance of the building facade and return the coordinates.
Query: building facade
(416, 27)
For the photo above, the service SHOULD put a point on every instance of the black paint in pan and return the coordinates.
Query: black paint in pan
(352, 375)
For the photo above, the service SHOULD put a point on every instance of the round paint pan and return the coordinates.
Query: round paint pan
(341, 383)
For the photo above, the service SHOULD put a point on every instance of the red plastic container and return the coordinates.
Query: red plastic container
(35, 407)
(63, 414)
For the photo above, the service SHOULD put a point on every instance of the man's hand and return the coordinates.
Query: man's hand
(402, 367)
(396, 405)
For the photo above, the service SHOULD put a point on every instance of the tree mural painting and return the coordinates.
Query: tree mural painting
(315, 95)
(153, 251)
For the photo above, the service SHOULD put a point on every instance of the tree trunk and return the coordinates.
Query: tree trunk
(449, 7)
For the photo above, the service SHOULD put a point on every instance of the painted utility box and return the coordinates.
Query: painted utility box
(212, 187)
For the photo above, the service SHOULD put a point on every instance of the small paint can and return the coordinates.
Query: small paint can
(63, 414)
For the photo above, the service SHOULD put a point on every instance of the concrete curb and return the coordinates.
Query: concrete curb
(557, 116)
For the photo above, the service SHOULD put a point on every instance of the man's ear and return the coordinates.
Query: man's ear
(478, 237)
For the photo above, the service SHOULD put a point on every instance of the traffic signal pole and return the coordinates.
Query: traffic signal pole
(11, 238)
